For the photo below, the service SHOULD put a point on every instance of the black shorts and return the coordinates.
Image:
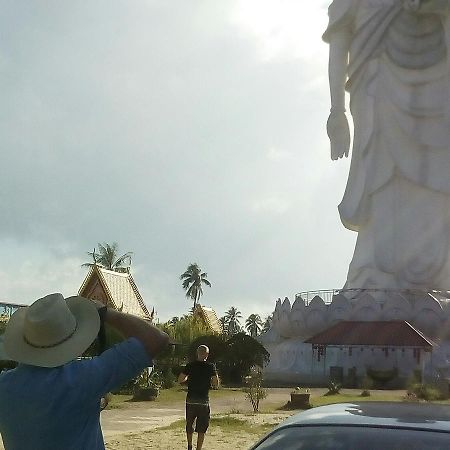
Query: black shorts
(201, 413)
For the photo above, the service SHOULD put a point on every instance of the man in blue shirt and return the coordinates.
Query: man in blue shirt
(51, 401)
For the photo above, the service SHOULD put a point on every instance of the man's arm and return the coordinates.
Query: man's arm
(215, 381)
(153, 339)
(182, 378)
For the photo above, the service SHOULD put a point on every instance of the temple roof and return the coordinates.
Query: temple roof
(376, 334)
(119, 288)
(209, 317)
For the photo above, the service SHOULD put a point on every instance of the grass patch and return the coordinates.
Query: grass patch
(175, 396)
(118, 401)
(228, 424)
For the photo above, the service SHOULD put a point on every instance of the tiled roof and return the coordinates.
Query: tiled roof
(377, 334)
(210, 318)
(121, 291)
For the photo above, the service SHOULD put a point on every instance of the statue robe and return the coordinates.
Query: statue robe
(398, 191)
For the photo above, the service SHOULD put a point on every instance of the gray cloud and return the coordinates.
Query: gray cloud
(158, 125)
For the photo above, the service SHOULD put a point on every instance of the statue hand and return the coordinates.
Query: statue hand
(339, 134)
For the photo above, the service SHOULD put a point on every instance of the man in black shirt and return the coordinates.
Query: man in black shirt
(200, 375)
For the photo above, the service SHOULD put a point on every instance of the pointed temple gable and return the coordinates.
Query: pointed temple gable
(209, 317)
(117, 290)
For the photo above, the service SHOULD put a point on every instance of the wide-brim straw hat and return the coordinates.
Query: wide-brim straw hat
(52, 331)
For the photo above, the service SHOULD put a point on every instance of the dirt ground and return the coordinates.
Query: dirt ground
(141, 425)
(216, 438)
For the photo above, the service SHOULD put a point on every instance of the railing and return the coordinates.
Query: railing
(327, 294)
(7, 309)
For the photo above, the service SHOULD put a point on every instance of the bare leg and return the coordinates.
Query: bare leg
(189, 439)
(200, 439)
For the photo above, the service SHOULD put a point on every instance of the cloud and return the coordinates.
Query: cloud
(283, 28)
(271, 205)
(183, 131)
(276, 154)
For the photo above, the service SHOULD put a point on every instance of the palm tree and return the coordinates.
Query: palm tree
(232, 317)
(107, 257)
(173, 320)
(224, 323)
(253, 324)
(193, 280)
(267, 323)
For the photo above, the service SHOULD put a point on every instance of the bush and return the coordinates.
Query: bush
(381, 377)
(167, 378)
(253, 389)
(366, 383)
(365, 393)
(426, 392)
(333, 388)
(242, 352)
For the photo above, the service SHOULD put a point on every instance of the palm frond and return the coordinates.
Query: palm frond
(120, 261)
(186, 284)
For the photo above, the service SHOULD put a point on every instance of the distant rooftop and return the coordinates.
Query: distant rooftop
(119, 288)
(209, 317)
(376, 334)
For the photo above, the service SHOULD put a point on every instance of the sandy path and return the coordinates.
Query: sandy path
(216, 438)
(175, 439)
(119, 421)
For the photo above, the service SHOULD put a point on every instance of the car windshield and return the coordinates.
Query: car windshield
(355, 438)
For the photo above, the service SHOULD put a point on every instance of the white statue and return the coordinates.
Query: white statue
(392, 57)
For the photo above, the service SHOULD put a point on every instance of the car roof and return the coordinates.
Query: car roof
(376, 414)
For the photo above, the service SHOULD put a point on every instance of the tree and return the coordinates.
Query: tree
(253, 324)
(254, 387)
(232, 317)
(181, 332)
(173, 320)
(193, 281)
(107, 257)
(267, 323)
(223, 322)
(242, 353)
(216, 345)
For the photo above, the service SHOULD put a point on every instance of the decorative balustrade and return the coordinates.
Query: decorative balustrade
(314, 311)
(327, 294)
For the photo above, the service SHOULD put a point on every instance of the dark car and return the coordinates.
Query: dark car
(363, 426)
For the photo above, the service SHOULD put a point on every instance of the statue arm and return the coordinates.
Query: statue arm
(337, 125)
(337, 68)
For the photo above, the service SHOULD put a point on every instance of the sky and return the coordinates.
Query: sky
(185, 131)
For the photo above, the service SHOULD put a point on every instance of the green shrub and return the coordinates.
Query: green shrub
(382, 376)
(426, 392)
(333, 388)
(242, 352)
(167, 378)
(253, 389)
(365, 393)
(366, 383)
